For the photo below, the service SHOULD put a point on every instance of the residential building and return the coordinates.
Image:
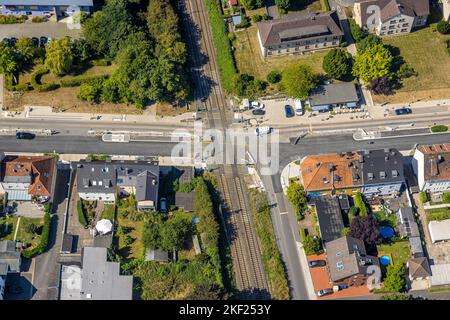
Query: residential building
(431, 164)
(391, 17)
(445, 7)
(10, 260)
(348, 263)
(104, 180)
(329, 216)
(96, 279)
(418, 268)
(297, 33)
(382, 172)
(331, 173)
(55, 8)
(325, 97)
(27, 177)
(439, 230)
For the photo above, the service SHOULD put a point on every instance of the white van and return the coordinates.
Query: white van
(299, 111)
(263, 130)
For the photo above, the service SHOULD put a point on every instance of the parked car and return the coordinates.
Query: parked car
(49, 39)
(35, 42)
(163, 205)
(288, 111)
(263, 130)
(324, 292)
(25, 135)
(257, 105)
(299, 108)
(42, 41)
(6, 41)
(317, 263)
(258, 112)
(403, 111)
(12, 41)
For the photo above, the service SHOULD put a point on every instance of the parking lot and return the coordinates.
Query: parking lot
(26, 209)
(55, 30)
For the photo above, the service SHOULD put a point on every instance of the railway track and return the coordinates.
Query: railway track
(247, 263)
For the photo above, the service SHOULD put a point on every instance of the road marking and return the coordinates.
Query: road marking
(283, 212)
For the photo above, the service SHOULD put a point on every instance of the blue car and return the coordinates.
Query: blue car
(289, 111)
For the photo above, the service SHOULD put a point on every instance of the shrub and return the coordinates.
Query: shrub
(274, 76)
(37, 19)
(439, 128)
(395, 280)
(244, 22)
(357, 33)
(446, 197)
(423, 197)
(81, 216)
(77, 81)
(360, 204)
(406, 71)
(443, 27)
(256, 18)
(40, 248)
(100, 62)
(8, 19)
(36, 81)
(312, 245)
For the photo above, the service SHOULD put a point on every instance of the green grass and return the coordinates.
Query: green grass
(12, 221)
(109, 212)
(24, 236)
(399, 250)
(390, 220)
(438, 214)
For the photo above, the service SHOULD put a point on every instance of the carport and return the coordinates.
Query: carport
(18, 195)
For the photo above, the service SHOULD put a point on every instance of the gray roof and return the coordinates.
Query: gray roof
(347, 257)
(329, 217)
(185, 201)
(294, 27)
(10, 255)
(382, 166)
(67, 243)
(156, 255)
(392, 8)
(47, 2)
(415, 244)
(334, 93)
(18, 179)
(96, 177)
(185, 174)
(3, 269)
(419, 268)
(101, 279)
(146, 186)
(407, 225)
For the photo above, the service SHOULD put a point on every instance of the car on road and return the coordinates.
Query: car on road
(317, 263)
(42, 41)
(288, 111)
(324, 292)
(25, 135)
(35, 42)
(258, 112)
(402, 111)
(257, 105)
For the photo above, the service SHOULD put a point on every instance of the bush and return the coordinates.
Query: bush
(81, 216)
(40, 248)
(78, 81)
(225, 59)
(423, 197)
(395, 280)
(100, 62)
(256, 18)
(36, 81)
(244, 22)
(446, 197)
(406, 71)
(8, 19)
(37, 19)
(312, 245)
(439, 128)
(443, 27)
(274, 76)
(360, 204)
(357, 33)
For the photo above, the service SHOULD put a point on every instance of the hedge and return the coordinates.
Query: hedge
(423, 197)
(37, 19)
(40, 248)
(8, 19)
(359, 203)
(81, 217)
(78, 81)
(439, 128)
(224, 54)
(35, 81)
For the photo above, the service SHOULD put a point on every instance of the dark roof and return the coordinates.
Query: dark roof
(382, 166)
(184, 174)
(185, 200)
(347, 257)
(67, 243)
(344, 202)
(329, 217)
(415, 243)
(407, 225)
(4, 269)
(10, 255)
(96, 177)
(334, 93)
(293, 27)
(146, 186)
(419, 268)
(156, 255)
(392, 8)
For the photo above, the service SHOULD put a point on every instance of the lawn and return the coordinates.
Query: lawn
(249, 58)
(438, 214)
(135, 249)
(109, 212)
(9, 233)
(24, 236)
(426, 52)
(384, 220)
(399, 250)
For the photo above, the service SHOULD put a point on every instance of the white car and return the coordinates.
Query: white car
(257, 105)
(263, 130)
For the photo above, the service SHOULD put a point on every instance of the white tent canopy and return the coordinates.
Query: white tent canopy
(439, 230)
(104, 226)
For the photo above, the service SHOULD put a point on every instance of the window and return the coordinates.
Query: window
(306, 47)
(338, 254)
(401, 20)
(390, 32)
(405, 25)
(340, 265)
(34, 8)
(334, 43)
(393, 22)
(404, 30)
(391, 27)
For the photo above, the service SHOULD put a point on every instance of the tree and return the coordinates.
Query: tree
(298, 80)
(297, 196)
(357, 33)
(374, 62)
(395, 280)
(381, 85)
(251, 4)
(247, 86)
(151, 237)
(366, 229)
(274, 76)
(26, 52)
(174, 231)
(81, 51)
(8, 64)
(368, 41)
(91, 91)
(443, 27)
(312, 245)
(283, 5)
(337, 64)
(58, 57)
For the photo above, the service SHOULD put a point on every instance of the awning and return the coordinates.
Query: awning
(18, 195)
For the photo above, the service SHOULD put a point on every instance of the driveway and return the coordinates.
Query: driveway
(55, 30)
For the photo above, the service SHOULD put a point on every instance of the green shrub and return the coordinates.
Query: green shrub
(312, 245)
(37, 19)
(36, 81)
(81, 216)
(256, 18)
(78, 81)
(439, 128)
(100, 62)
(225, 59)
(244, 22)
(423, 197)
(9, 19)
(446, 197)
(274, 76)
(443, 27)
(357, 33)
(360, 204)
(40, 248)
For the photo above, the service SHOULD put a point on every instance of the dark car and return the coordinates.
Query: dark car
(42, 41)
(25, 135)
(324, 292)
(6, 41)
(35, 42)
(12, 41)
(258, 112)
(289, 111)
(317, 263)
(403, 111)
